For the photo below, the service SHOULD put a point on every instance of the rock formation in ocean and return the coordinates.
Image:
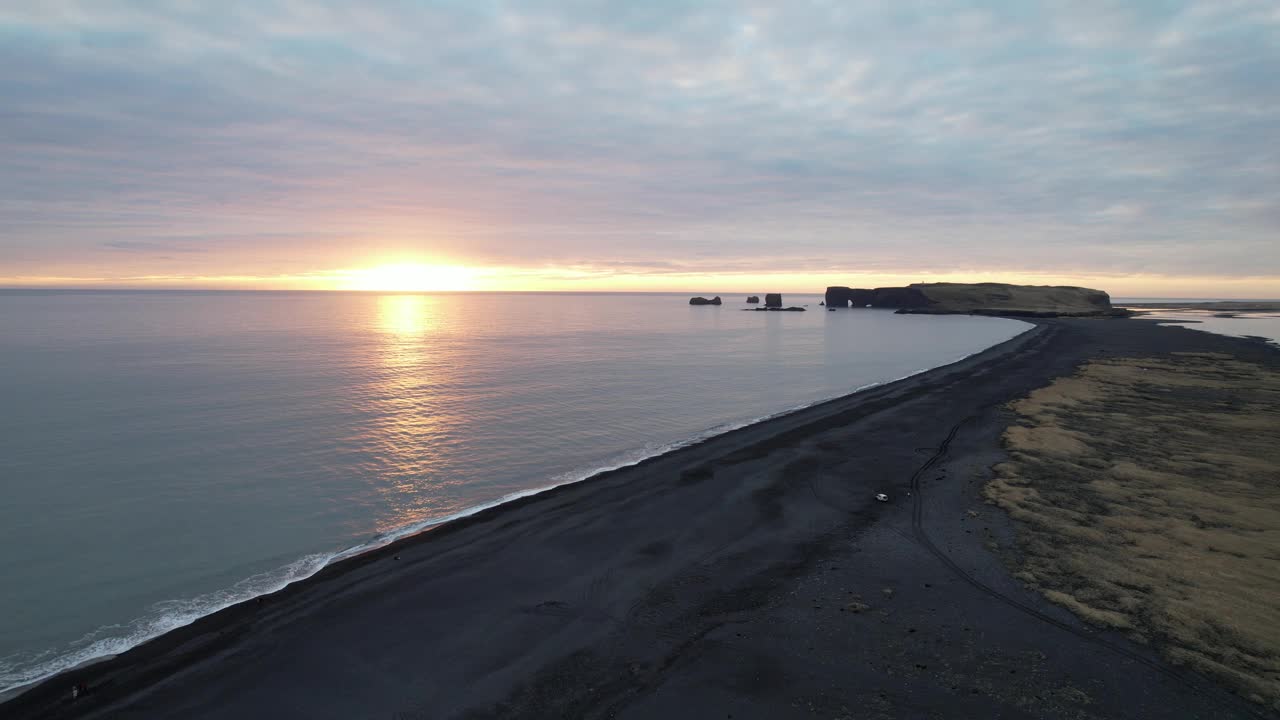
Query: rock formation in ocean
(703, 301)
(774, 309)
(899, 297)
(753, 299)
(885, 297)
(773, 300)
(979, 299)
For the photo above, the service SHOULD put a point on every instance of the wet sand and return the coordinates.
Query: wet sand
(750, 576)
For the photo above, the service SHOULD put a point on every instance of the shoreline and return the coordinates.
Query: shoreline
(704, 495)
(408, 532)
(346, 559)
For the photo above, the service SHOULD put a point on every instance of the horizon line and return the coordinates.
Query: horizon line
(343, 291)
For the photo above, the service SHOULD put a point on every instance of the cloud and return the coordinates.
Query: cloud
(1096, 137)
(143, 246)
(1121, 210)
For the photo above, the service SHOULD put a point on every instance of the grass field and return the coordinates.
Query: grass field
(1147, 496)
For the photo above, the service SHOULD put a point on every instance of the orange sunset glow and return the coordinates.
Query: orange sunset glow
(409, 277)
(422, 276)
(742, 161)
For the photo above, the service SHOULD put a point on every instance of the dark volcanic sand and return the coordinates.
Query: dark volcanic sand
(751, 576)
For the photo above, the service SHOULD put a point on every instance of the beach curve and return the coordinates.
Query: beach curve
(760, 512)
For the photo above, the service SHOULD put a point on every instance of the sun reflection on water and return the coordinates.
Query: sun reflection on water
(412, 424)
(405, 314)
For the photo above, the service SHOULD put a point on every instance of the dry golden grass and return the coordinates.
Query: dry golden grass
(965, 297)
(1147, 493)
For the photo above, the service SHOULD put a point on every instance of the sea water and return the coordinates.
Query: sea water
(1265, 325)
(166, 454)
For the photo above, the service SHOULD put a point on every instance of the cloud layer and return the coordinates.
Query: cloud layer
(283, 137)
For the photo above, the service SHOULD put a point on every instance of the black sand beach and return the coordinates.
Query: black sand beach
(754, 575)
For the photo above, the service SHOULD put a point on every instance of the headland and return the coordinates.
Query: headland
(980, 299)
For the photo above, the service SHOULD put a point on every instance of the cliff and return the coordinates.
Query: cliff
(979, 299)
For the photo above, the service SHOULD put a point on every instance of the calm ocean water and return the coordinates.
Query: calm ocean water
(1261, 325)
(166, 454)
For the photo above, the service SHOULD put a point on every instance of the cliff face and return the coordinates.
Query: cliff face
(885, 297)
(979, 299)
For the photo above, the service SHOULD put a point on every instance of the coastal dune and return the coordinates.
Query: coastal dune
(753, 575)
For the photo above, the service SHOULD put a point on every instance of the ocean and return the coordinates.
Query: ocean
(1264, 325)
(166, 454)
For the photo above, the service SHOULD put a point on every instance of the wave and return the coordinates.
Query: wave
(21, 671)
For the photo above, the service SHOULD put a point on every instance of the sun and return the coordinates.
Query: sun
(410, 277)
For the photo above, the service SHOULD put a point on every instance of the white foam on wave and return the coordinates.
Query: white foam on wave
(18, 672)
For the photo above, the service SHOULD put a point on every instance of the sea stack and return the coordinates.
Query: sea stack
(753, 299)
(773, 300)
(703, 301)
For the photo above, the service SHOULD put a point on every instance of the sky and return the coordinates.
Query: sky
(660, 145)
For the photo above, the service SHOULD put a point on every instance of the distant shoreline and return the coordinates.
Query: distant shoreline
(1235, 306)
